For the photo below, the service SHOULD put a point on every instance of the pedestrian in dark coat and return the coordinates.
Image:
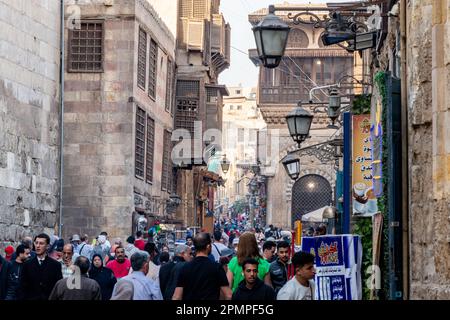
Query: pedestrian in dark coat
(82, 288)
(104, 276)
(5, 269)
(40, 273)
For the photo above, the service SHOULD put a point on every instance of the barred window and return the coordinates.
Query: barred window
(140, 143)
(86, 47)
(167, 164)
(211, 95)
(169, 85)
(142, 56)
(187, 104)
(150, 150)
(153, 66)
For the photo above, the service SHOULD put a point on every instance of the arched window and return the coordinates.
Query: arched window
(309, 193)
(297, 39)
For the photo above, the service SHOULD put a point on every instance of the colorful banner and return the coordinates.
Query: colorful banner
(338, 266)
(364, 200)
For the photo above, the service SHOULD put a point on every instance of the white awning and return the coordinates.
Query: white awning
(314, 216)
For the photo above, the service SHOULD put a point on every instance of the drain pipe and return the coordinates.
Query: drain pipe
(61, 97)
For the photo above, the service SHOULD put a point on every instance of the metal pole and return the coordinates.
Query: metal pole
(347, 173)
(61, 139)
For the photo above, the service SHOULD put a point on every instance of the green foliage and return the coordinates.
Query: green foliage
(363, 228)
(361, 104)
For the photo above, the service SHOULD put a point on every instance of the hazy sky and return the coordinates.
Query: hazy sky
(242, 70)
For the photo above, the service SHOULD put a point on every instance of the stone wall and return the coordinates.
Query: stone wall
(279, 201)
(428, 58)
(29, 118)
(99, 174)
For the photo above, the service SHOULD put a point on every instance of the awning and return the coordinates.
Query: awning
(314, 216)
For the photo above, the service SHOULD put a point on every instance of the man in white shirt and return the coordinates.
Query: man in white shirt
(144, 287)
(217, 246)
(84, 248)
(301, 286)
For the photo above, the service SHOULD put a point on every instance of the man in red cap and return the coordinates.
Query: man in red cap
(9, 250)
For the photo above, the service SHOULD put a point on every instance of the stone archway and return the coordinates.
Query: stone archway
(309, 193)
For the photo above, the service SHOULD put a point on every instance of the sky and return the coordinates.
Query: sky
(242, 70)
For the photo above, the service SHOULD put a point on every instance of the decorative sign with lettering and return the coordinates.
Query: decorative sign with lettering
(364, 200)
(338, 266)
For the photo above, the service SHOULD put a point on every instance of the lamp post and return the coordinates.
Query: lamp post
(334, 105)
(225, 164)
(299, 123)
(292, 166)
(271, 36)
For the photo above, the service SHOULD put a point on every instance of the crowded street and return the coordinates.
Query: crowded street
(224, 157)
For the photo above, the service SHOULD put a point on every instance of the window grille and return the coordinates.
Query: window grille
(186, 114)
(140, 143)
(166, 172)
(142, 56)
(186, 8)
(211, 95)
(188, 89)
(309, 193)
(199, 9)
(150, 149)
(86, 47)
(188, 93)
(169, 85)
(153, 60)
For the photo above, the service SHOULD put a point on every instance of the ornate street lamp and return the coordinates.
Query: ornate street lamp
(299, 122)
(271, 36)
(225, 164)
(292, 166)
(334, 104)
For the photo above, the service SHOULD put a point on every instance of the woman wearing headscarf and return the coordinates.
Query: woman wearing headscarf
(104, 276)
(247, 248)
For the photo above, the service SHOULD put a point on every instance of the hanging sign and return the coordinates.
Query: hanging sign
(364, 200)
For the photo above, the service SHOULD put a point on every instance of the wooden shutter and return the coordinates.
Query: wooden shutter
(186, 8)
(200, 9)
(195, 35)
(207, 44)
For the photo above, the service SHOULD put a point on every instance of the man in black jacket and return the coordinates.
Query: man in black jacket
(278, 268)
(22, 255)
(168, 274)
(40, 273)
(252, 288)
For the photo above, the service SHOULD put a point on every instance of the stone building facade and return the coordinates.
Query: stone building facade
(307, 63)
(428, 85)
(415, 51)
(242, 121)
(119, 89)
(29, 118)
(202, 53)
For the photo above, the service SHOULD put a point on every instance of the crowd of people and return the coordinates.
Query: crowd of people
(229, 264)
